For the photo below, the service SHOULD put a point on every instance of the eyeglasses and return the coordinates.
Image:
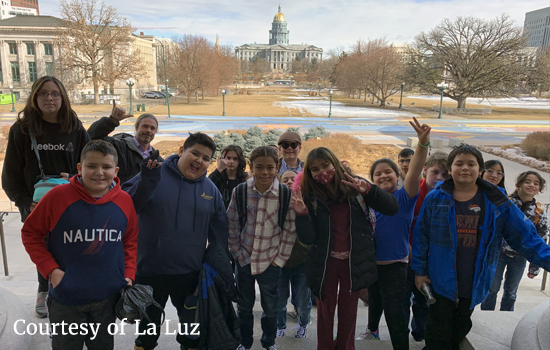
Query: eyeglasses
(44, 95)
(292, 145)
(496, 173)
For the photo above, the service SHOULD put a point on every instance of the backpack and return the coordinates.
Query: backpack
(241, 196)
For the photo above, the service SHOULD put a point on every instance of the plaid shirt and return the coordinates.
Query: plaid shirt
(262, 241)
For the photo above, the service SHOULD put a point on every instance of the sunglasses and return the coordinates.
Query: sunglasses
(292, 145)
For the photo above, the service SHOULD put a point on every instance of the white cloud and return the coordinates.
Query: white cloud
(324, 23)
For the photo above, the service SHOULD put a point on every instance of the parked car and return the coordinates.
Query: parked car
(152, 94)
(162, 94)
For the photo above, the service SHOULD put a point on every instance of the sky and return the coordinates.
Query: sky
(329, 24)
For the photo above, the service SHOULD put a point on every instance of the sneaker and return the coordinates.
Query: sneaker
(241, 347)
(301, 332)
(40, 308)
(272, 347)
(368, 335)
(281, 333)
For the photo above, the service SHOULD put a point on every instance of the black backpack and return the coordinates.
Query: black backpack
(242, 201)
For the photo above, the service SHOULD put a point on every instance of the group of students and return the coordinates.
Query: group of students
(312, 227)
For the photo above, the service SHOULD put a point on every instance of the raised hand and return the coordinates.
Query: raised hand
(153, 164)
(422, 131)
(359, 184)
(221, 164)
(298, 202)
(119, 113)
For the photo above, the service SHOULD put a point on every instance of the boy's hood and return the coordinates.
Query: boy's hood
(75, 182)
(172, 163)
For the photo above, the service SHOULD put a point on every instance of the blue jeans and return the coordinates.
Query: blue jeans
(420, 307)
(514, 272)
(301, 295)
(268, 281)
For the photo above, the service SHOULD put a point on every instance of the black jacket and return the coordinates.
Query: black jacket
(223, 184)
(314, 229)
(129, 157)
(219, 326)
(58, 153)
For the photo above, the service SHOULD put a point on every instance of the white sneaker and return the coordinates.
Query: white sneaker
(241, 347)
(301, 332)
(281, 333)
(368, 335)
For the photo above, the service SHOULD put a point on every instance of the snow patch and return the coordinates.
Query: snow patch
(516, 154)
(320, 107)
(511, 102)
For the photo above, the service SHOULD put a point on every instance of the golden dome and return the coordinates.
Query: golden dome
(279, 17)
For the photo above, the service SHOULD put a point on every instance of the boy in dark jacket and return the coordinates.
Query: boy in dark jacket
(179, 210)
(457, 241)
(90, 252)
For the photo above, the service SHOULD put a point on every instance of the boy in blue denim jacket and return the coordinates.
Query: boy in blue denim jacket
(457, 241)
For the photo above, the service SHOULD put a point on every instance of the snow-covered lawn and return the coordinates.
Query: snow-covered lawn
(516, 154)
(512, 102)
(320, 107)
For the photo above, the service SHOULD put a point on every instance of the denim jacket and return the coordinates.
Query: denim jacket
(435, 240)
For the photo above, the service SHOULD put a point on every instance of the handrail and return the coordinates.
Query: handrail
(3, 241)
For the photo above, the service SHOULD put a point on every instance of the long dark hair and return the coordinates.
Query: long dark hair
(242, 162)
(312, 189)
(491, 163)
(523, 176)
(31, 116)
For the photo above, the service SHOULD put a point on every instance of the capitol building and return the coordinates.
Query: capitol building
(279, 53)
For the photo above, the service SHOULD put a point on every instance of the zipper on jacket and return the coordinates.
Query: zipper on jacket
(350, 247)
(195, 207)
(326, 258)
(455, 250)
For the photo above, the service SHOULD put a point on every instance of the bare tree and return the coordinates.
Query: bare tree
(95, 43)
(478, 57)
(538, 75)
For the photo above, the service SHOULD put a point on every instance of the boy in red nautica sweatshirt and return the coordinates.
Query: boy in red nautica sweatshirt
(89, 254)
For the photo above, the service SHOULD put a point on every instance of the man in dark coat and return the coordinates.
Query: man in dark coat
(132, 150)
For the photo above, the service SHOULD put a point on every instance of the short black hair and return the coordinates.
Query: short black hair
(464, 148)
(201, 139)
(99, 146)
(145, 116)
(405, 152)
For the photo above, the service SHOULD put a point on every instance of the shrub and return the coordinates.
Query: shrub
(537, 145)
(317, 132)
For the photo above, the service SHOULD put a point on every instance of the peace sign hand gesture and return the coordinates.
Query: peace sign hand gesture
(298, 202)
(422, 131)
(119, 113)
(360, 185)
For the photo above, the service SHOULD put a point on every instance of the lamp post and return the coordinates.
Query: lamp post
(130, 82)
(330, 106)
(223, 97)
(319, 79)
(401, 99)
(12, 99)
(441, 86)
(165, 78)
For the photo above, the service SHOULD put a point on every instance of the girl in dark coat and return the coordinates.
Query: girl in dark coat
(332, 217)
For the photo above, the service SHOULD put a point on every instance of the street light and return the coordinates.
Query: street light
(319, 85)
(12, 99)
(401, 99)
(165, 79)
(130, 82)
(441, 86)
(330, 108)
(223, 97)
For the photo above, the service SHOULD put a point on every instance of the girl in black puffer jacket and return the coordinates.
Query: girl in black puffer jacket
(332, 218)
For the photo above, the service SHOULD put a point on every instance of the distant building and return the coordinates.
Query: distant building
(27, 52)
(537, 28)
(279, 53)
(18, 8)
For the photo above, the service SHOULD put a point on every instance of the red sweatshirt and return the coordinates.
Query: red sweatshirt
(94, 241)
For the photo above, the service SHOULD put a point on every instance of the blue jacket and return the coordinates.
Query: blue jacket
(177, 217)
(435, 240)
